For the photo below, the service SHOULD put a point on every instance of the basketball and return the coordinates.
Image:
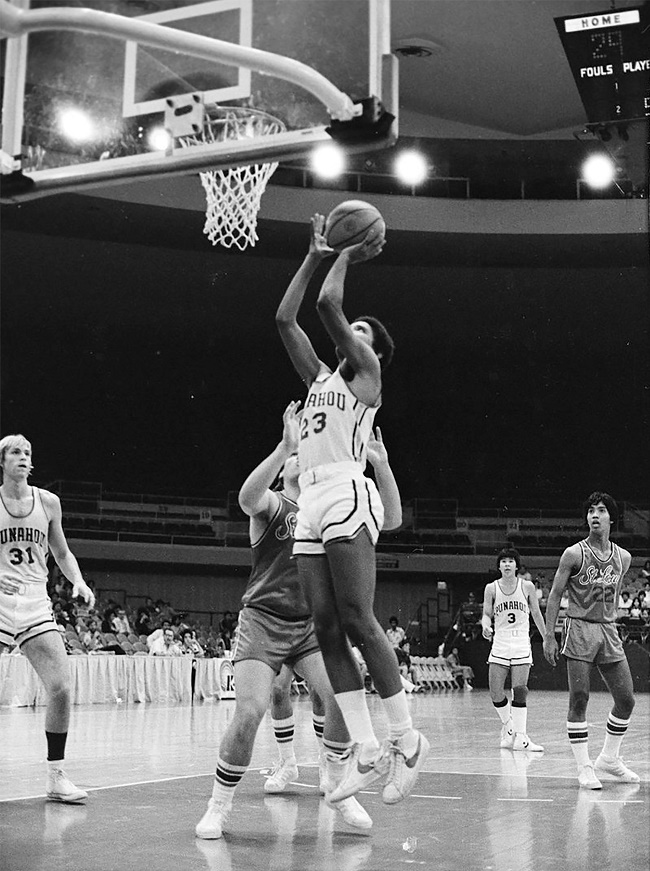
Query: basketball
(349, 223)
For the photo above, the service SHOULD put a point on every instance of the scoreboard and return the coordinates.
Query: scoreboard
(609, 56)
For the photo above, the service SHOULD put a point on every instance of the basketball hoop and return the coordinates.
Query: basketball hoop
(234, 195)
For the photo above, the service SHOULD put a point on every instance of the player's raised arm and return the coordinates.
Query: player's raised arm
(255, 496)
(298, 345)
(330, 305)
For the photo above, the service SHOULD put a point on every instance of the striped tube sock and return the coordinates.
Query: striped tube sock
(503, 710)
(335, 761)
(284, 731)
(615, 731)
(226, 779)
(579, 740)
(318, 723)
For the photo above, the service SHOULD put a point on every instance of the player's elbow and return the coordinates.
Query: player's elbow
(325, 303)
(392, 519)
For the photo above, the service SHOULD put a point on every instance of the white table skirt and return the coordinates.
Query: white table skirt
(105, 679)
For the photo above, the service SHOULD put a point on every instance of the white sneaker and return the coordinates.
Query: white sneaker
(616, 768)
(353, 813)
(210, 828)
(282, 774)
(403, 771)
(587, 778)
(360, 775)
(60, 788)
(507, 736)
(523, 742)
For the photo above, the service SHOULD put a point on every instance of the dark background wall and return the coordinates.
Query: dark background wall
(159, 369)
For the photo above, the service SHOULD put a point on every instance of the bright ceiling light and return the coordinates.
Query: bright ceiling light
(411, 167)
(76, 125)
(158, 139)
(598, 171)
(328, 161)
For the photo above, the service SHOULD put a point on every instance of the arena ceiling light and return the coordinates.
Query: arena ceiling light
(411, 167)
(158, 139)
(76, 125)
(328, 161)
(598, 171)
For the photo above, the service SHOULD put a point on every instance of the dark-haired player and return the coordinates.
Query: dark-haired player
(591, 573)
(510, 601)
(341, 515)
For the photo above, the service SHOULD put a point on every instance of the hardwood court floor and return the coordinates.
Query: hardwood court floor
(148, 769)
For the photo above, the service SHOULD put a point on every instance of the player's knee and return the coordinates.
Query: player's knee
(578, 702)
(359, 623)
(519, 695)
(329, 635)
(250, 711)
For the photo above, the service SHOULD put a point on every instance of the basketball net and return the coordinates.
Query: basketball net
(234, 195)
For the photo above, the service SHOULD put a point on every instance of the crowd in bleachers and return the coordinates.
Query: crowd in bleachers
(115, 629)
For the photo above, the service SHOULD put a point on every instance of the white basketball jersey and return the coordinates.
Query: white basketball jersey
(511, 612)
(335, 425)
(24, 543)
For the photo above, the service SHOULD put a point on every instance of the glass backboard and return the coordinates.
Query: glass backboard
(89, 102)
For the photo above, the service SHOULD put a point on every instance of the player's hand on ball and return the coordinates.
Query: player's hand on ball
(371, 246)
(318, 244)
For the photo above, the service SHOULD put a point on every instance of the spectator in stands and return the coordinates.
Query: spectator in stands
(645, 596)
(644, 573)
(165, 645)
(469, 618)
(61, 615)
(624, 604)
(158, 633)
(92, 638)
(395, 634)
(109, 613)
(227, 628)
(634, 614)
(120, 623)
(464, 672)
(189, 644)
(143, 624)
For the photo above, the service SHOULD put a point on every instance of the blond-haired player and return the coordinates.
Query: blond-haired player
(30, 528)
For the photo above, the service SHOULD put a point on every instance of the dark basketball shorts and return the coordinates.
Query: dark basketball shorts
(272, 639)
(591, 642)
